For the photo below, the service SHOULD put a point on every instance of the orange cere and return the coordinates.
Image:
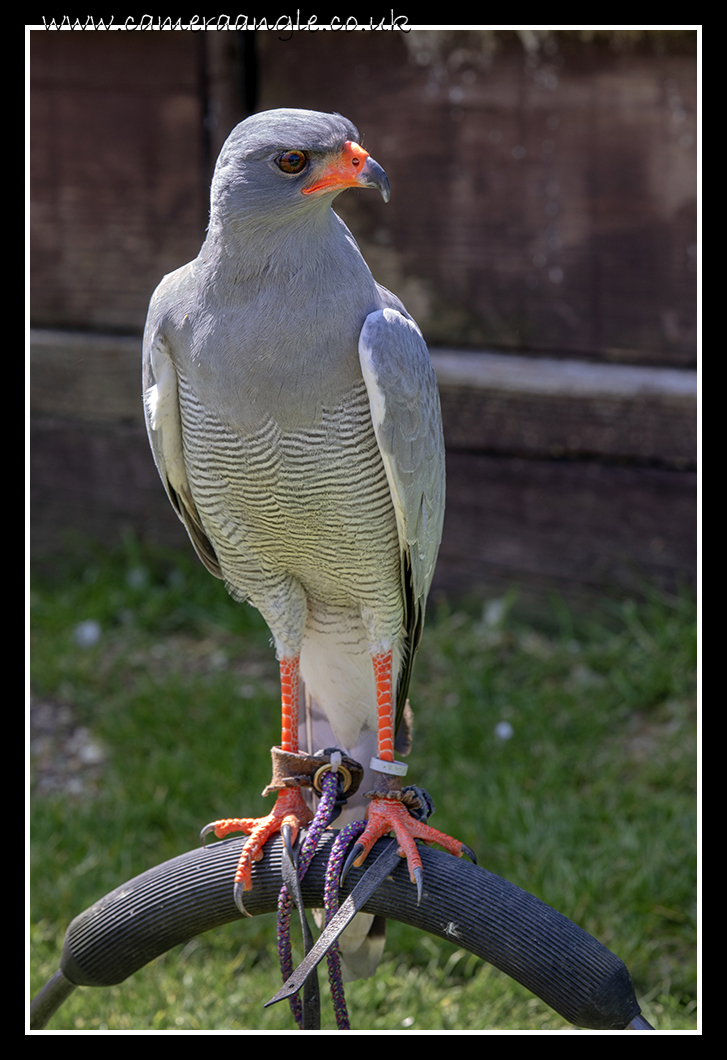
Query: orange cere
(344, 171)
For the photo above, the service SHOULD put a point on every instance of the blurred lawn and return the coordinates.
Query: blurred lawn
(561, 750)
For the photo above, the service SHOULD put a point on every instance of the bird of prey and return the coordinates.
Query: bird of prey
(293, 414)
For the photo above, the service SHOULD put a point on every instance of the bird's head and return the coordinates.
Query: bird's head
(282, 161)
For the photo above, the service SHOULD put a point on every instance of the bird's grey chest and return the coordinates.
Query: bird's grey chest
(278, 438)
(274, 354)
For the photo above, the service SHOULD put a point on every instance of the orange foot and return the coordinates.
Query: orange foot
(387, 814)
(289, 809)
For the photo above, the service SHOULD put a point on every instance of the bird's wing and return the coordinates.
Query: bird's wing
(404, 401)
(164, 426)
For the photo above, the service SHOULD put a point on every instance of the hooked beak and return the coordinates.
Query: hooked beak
(354, 168)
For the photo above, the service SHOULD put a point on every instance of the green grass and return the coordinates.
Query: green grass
(166, 722)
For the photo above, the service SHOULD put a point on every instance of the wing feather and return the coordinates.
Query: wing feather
(405, 411)
(164, 426)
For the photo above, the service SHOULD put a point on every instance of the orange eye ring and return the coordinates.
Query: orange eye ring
(292, 161)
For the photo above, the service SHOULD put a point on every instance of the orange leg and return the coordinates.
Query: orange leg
(289, 671)
(384, 705)
(387, 814)
(289, 809)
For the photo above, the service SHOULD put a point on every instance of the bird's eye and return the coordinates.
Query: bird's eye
(292, 161)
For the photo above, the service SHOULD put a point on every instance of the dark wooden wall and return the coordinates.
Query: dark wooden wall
(544, 196)
(540, 201)
(543, 199)
(118, 192)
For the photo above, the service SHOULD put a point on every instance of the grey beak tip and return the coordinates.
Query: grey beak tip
(373, 176)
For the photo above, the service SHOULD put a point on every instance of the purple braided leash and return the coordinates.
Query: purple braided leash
(285, 951)
(333, 874)
(323, 815)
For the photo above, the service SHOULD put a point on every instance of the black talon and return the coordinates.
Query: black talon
(356, 852)
(237, 895)
(286, 831)
(204, 832)
(470, 853)
(419, 879)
